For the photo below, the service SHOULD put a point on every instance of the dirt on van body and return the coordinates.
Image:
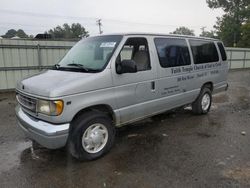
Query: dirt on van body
(174, 149)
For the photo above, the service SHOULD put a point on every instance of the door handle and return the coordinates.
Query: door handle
(153, 85)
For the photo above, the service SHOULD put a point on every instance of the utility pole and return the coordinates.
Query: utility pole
(203, 29)
(99, 23)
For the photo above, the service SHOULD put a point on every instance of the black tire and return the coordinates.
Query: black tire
(197, 104)
(80, 125)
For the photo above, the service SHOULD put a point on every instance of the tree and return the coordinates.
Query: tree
(20, 33)
(184, 31)
(209, 34)
(12, 33)
(228, 27)
(68, 32)
(245, 35)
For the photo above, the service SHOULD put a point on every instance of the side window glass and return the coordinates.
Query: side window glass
(172, 52)
(222, 51)
(136, 49)
(204, 51)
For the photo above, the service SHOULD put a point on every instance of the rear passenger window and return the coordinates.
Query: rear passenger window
(222, 51)
(172, 52)
(204, 51)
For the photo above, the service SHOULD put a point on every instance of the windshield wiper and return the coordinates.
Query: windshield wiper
(71, 66)
(78, 65)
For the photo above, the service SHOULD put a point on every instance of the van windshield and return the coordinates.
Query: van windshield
(90, 54)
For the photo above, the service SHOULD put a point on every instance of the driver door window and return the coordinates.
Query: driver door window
(126, 53)
(136, 49)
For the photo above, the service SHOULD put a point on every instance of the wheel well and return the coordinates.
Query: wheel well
(208, 85)
(106, 109)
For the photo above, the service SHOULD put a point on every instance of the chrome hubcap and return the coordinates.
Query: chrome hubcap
(95, 138)
(205, 102)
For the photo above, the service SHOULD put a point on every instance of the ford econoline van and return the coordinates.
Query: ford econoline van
(109, 81)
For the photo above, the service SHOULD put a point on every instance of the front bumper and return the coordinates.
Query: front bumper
(48, 135)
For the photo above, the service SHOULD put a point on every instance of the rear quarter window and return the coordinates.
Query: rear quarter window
(204, 51)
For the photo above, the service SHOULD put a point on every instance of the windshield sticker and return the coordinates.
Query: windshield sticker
(107, 45)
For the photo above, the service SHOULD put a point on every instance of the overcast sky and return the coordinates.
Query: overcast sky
(160, 16)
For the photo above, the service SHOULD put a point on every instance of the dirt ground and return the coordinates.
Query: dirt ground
(176, 149)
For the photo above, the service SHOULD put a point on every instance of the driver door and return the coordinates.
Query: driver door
(135, 91)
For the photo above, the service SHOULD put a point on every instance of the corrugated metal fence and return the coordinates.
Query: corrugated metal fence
(238, 57)
(22, 58)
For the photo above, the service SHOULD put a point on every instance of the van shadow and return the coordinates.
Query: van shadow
(142, 140)
(141, 131)
(155, 144)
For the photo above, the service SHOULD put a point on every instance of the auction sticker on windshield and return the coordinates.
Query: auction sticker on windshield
(107, 45)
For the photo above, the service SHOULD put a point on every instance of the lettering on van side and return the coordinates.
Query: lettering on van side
(207, 66)
(176, 70)
(171, 90)
(214, 72)
(202, 74)
(184, 78)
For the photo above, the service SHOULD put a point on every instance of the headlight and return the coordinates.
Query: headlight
(52, 108)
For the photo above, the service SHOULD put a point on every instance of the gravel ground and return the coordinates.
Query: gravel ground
(176, 149)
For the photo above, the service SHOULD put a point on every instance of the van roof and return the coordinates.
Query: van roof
(161, 34)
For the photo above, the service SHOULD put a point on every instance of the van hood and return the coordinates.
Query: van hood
(57, 83)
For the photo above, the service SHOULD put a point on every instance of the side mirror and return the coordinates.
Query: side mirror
(126, 66)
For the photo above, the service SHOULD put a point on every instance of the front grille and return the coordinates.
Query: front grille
(27, 102)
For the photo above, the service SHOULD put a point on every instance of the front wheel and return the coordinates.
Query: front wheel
(203, 103)
(92, 135)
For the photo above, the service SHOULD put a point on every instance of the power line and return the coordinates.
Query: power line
(24, 25)
(143, 23)
(23, 13)
(88, 18)
(33, 25)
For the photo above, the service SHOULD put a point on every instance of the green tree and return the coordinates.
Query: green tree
(12, 33)
(209, 34)
(20, 33)
(66, 31)
(183, 31)
(245, 35)
(228, 27)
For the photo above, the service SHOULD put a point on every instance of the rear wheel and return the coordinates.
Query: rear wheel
(92, 136)
(203, 103)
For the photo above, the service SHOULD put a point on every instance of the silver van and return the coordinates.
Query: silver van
(109, 81)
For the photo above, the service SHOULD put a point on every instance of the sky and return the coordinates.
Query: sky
(157, 16)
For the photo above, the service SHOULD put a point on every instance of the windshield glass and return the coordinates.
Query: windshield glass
(91, 53)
